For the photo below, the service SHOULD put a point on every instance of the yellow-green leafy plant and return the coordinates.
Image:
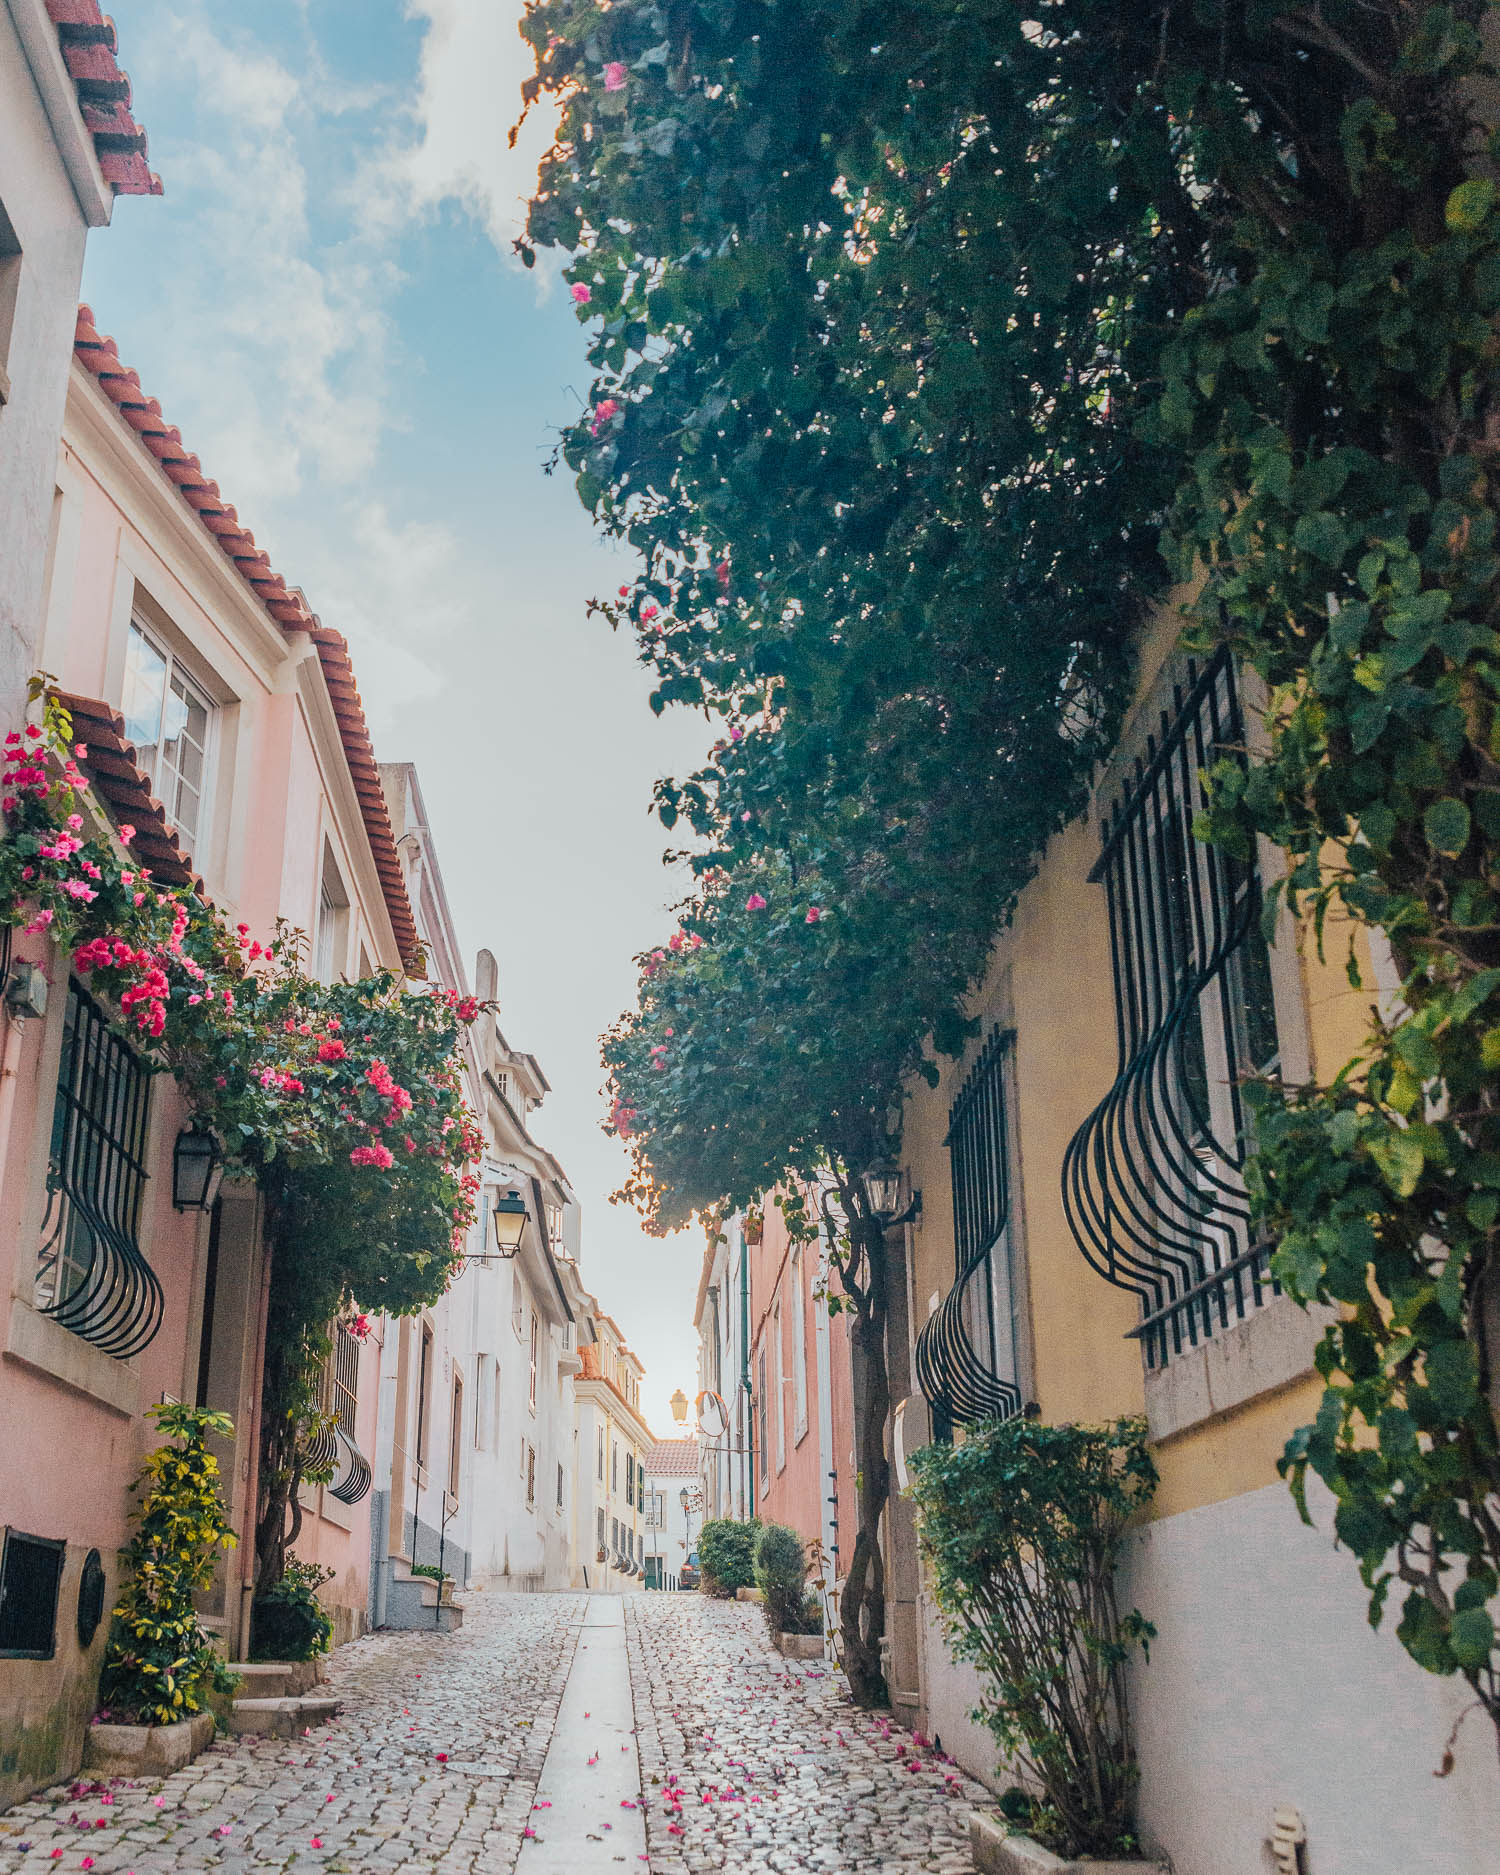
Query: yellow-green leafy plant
(161, 1660)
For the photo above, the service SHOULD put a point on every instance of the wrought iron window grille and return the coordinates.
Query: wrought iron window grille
(92, 1276)
(965, 1355)
(334, 1447)
(1153, 1181)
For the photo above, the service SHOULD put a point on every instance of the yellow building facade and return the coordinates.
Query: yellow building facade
(1083, 1246)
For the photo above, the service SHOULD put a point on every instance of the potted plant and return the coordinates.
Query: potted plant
(794, 1617)
(160, 1665)
(1022, 1526)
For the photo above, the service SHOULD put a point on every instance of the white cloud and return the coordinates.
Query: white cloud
(474, 62)
(387, 585)
(289, 329)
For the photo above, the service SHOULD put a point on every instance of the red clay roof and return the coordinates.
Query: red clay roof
(111, 767)
(673, 1458)
(87, 38)
(286, 605)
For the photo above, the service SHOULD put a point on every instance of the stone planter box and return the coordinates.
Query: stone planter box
(1000, 1850)
(146, 1750)
(800, 1646)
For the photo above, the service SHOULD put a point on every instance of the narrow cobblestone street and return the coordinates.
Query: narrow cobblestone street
(449, 1755)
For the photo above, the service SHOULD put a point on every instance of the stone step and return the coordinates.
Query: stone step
(282, 1718)
(276, 1679)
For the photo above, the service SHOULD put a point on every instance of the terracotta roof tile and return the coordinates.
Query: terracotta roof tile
(285, 604)
(87, 39)
(673, 1458)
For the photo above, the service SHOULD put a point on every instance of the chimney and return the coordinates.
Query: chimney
(486, 977)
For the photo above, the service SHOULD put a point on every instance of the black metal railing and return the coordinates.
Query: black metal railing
(92, 1276)
(965, 1353)
(352, 1478)
(1153, 1180)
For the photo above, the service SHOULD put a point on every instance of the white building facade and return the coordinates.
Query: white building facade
(721, 1315)
(612, 1444)
(674, 1510)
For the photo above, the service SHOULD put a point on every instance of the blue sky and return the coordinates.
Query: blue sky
(325, 303)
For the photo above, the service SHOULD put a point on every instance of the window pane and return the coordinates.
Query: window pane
(145, 688)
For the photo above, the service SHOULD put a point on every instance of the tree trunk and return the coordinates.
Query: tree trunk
(862, 1608)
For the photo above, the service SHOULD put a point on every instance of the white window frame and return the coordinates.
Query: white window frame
(799, 1348)
(536, 1335)
(778, 1385)
(193, 838)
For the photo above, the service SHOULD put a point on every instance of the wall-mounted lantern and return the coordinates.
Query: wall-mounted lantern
(197, 1169)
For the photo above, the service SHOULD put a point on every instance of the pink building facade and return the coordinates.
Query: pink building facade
(222, 722)
(802, 1418)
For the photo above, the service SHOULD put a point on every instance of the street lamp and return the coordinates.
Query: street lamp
(509, 1214)
(679, 1406)
(197, 1168)
(882, 1183)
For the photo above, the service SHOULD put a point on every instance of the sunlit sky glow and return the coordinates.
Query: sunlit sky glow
(326, 305)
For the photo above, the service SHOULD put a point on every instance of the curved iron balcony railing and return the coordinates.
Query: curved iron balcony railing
(352, 1475)
(91, 1274)
(1153, 1181)
(955, 1379)
(110, 1295)
(957, 1352)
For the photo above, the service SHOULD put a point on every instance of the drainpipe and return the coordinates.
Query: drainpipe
(747, 1457)
(10, 1061)
(827, 1472)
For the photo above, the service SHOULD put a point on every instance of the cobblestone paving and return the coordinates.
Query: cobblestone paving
(748, 1763)
(751, 1762)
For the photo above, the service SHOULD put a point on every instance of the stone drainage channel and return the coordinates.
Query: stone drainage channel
(553, 1735)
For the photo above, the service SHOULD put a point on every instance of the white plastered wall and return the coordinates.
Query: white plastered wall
(1266, 1686)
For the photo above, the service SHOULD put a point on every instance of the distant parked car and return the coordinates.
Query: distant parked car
(690, 1576)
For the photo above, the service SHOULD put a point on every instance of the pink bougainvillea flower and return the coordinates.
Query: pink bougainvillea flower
(649, 612)
(614, 76)
(545, 1804)
(87, 1862)
(755, 902)
(317, 1842)
(529, 1831)
(376, 1155)
(581, 293)
(814, 914)
(159, 1802)
(442, 1757)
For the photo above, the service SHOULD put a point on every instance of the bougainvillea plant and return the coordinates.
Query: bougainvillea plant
(343, 1101)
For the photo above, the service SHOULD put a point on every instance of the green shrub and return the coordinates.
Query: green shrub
(726, 1549)
(1022, 1525)
(289, 1622)
(781, 1576)
(160, 1660)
